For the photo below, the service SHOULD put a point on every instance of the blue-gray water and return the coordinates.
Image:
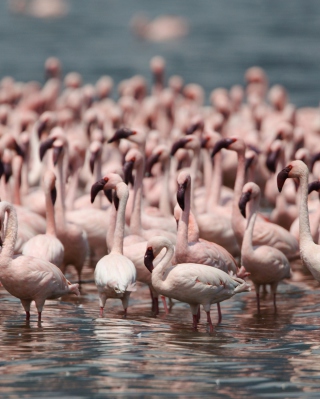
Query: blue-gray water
(226, 37)
(74, 353)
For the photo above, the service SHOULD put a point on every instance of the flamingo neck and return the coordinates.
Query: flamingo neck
(193, 173)
(51, 224)
(111, 227)
(10, 237)
(97, 176)
(237, 220)
(247, 247)
(135, 220)
(158, 271)
(60, 207)
(182, 233)
(164, 203)
(304, 224)
(72, 189)
(123, 194)
(216, 183)
(207, 173)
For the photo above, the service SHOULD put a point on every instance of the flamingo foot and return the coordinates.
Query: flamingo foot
(209, 322)
(125, 314)
(39, 316)
(163, 298)
(27, 315)
(101, 311)
(219, 313)
(198, 315)
(195, 322)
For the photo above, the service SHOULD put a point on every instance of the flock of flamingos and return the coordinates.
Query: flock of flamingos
(133, 188)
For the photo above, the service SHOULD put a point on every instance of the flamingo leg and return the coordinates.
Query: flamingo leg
(198, 315)
(219, 313)
(156, 305)
(125, 314)
(39, 316)
(152, 300)
(101, 311)
(209, 321)
(27, 315)
(195, 322)
(163, 298)
(274, 303)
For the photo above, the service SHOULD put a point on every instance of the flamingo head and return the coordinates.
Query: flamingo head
(190, 143)
(249, 192)
(295, 168)
(122, 133)
(184, 181)
(232, 143)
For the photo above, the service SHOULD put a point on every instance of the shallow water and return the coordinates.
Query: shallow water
(74, 353)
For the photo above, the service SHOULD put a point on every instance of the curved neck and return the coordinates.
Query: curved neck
(135, 220)
(237, 220)
(164, 203)
(117, 246)
(216, 183)
(10, 236)
(247, 247)
(304, 224)
(158, 271)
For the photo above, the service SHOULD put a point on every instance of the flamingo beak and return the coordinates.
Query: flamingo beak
(41, 128)
(178, 144)
(148, 259)
(19, 149)
(53, 194)
(314, 186)
(153, 159)
(272, 159)
(56, 154)
(108, 194)
(249, 163)
(7, 168)
(224, 143)
(115, 200)
(244, 199)
(128, 168)
(93, 158)
(181, 195)
(44, 147)
(195, 126)
(96, 187)
(282, 177)
(1, 168)
(314, 159)
(122, 133)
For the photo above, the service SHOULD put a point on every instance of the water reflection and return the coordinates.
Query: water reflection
(76, 353)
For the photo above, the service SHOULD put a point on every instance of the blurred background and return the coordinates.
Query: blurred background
(211, 43)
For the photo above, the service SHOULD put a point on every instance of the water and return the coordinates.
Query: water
(225, 39)
(74, 353)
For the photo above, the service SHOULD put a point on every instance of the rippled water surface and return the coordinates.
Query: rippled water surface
(75, 353)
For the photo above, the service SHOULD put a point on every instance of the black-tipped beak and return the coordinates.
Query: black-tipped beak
(181, 195)
(204, 141)
(244, 199)
(224, 143)
(93, 158)
(195, 126)
(115, 200)
(249, 163)
(56, 154)
(127, 169)
(314, 159)
(152, 160)
(282, 177)
(122, 133)
(53, 194)
(314, 186)
(272, 160)
(96, 187)
(1, 169)
(148, 259)
(178, 144)
(44, 147)
(7, 169)
(19, 149)
(108, 194)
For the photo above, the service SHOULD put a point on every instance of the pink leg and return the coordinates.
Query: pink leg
(198, 315)
(219, 313)
(163, 298)
(125, 314)
(209, 321)
(274, 303)
(195, 322)
(258, 302)
(27, 315)
(101, 311)
(39, 316)
(152, 301)
(156, 305)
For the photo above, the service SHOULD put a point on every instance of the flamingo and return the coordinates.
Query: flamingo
(115, 274)
(266, 264)
(26, 277)
(309, 251)
(192, 283)
(47, 246)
